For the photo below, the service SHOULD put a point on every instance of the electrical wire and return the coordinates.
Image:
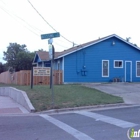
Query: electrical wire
(47, 21)
(31, 26)
(60, 45)
(16, 20)
(31, 29)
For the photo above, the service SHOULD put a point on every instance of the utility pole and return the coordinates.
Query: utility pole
(73, 44)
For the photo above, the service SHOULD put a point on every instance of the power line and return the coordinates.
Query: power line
(9, 12)
(26, 26)
(13, 16)
(41, 15)
(47, 21)
(16, 20)
(31, 29)
(60, 45)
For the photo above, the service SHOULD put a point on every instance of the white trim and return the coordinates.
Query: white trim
(99, 40)
(102, 68)
(43, 64)
(63, 69)
(38, 57)
(130, 70)
(136, 68)
(34, 58)
(119, 61)
(58, 65)
(127, 42)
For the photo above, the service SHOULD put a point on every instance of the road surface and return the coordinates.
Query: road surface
(109, 124)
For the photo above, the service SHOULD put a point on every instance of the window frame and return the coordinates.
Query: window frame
(118, 61)
(102, 68)
(58, 65)
(137, 68)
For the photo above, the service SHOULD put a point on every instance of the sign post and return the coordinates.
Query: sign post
(32, 79)
(51, 56)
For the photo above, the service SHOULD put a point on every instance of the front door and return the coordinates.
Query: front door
(128, 71)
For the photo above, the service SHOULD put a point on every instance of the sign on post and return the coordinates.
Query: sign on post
(50, 41)
(51, 56)
(51, 35)
(51, 51)
(41, 71)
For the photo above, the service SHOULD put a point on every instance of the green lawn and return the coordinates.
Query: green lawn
(67, 96)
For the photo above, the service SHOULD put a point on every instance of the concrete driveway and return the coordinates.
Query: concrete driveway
(130, 92)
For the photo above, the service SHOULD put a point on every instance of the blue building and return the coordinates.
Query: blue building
(107, 59)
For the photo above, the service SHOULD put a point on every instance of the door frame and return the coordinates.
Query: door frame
(108, 68)
(130, 70)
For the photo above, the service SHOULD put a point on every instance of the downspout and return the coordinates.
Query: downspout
(76, 67)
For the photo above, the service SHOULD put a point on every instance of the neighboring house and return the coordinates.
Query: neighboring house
(101, 60)
(41, 59)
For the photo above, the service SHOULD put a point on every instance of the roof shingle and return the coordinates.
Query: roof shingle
(45, 55)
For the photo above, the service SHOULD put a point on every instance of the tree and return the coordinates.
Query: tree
(25, 60)
(41, 50)
(1, 67)
(18, 57)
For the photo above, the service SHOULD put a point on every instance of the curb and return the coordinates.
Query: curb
(19, 96)
(105, 106)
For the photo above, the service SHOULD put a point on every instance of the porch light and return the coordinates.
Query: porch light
(113, 43)
(84, 67)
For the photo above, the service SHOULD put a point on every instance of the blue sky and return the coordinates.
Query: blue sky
(79, 21)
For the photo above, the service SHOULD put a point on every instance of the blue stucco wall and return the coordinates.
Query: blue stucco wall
(91, 57)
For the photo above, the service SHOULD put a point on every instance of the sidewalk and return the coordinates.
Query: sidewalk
(9, 106)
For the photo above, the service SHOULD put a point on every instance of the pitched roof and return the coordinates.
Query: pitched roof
(82, 46)
(44, 56)
(73, 49)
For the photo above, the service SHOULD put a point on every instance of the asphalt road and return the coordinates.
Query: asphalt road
(110, 124)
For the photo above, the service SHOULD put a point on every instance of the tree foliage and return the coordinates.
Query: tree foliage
(25, 60)
(41, 49)
(1, 67)
(18, 57)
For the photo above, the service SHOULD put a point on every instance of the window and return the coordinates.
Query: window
(58, 65)
(118, 64)
(105, 68)
(138, 68)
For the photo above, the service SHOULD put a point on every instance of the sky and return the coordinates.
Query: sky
(79, 21)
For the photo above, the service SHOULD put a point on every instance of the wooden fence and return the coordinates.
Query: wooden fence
(24, 78)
